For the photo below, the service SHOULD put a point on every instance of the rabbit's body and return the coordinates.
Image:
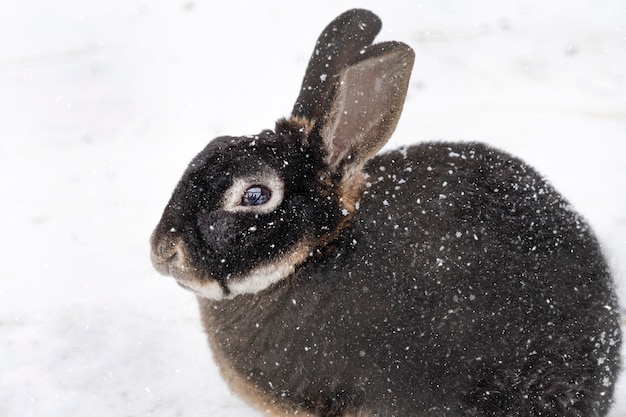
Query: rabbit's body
(335, 341)
(438, 280)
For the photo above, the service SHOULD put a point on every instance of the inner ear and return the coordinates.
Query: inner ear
(366, 105)
(245, 189)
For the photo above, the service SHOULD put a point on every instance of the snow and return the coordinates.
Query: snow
(103, 104)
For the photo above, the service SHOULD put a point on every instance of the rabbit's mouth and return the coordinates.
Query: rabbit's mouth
(169, 257)
(187, 278)
(254, 281)
(210, 289)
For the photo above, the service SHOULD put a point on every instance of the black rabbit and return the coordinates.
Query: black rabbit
(441, 279)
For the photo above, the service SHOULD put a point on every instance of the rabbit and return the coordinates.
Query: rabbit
(439, 279)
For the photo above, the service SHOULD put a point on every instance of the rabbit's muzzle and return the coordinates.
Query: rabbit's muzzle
(170, 256)
(166, 254)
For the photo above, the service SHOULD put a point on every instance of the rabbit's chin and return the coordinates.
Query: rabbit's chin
(252, 282)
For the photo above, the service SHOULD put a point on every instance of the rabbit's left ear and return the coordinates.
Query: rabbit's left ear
(366, 105)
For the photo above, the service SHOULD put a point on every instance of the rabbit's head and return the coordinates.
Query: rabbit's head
(249, 210)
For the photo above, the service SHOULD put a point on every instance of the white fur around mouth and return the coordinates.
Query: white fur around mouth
(257, 280)
(207, 289)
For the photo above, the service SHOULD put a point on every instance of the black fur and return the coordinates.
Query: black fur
(503, 306)
(442, 279)
(192, 208)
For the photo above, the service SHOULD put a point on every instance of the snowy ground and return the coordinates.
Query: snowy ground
(102, 104)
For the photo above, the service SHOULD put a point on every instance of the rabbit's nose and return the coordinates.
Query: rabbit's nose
(166, 253)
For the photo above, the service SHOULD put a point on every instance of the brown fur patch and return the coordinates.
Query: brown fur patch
(348, 193)
(351, 189)
(250, 393)
(301, 125)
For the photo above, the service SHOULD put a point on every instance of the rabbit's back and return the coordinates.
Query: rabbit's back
(465, 283)
(510, 283)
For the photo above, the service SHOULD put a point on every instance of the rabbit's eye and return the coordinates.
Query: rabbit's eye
(256, 195)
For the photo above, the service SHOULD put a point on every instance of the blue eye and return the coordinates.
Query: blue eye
(257, 195)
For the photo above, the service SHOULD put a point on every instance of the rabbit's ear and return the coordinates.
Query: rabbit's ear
(338, 46)
(366, 105)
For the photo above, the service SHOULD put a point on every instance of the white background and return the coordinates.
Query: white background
(102, 104)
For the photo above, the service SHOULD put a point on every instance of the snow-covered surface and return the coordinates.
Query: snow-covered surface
(102, 104)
